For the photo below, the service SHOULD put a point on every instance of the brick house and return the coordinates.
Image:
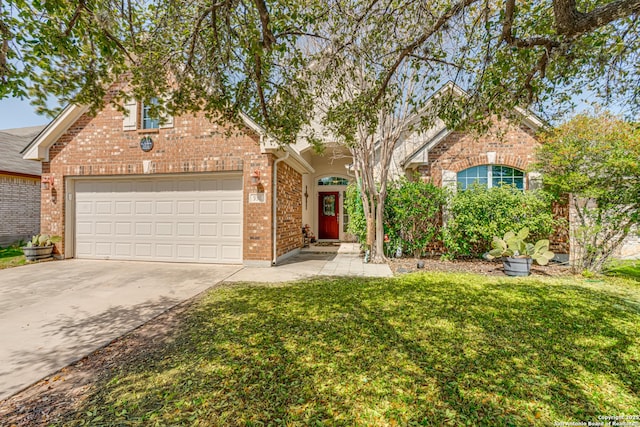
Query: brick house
(184, 189)
(19, 187)
(188, 189)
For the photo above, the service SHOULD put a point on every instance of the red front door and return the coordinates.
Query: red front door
(328, 215)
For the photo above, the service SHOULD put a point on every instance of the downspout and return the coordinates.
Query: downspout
(274, 232)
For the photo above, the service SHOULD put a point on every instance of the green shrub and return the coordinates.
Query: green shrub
(478, 213)
(357, 220)
(413, 214)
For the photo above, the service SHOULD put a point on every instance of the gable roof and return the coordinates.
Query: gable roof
(12, 141)
(440, 131)
(38, 149)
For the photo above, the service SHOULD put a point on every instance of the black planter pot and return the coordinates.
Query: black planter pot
(517, 266)
(37, 252)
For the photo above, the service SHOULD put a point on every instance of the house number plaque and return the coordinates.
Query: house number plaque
(146, 144)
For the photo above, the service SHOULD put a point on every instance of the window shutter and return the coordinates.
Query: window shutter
(130, 120)
(166, 121)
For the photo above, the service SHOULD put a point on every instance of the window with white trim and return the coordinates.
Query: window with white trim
(138, 116)
(491, 176)
(147, 121)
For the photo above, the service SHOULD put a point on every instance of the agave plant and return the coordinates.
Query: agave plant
(514, 245)
(43, 240)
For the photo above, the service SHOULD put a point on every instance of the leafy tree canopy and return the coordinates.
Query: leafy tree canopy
(250, 55)
(595, 158)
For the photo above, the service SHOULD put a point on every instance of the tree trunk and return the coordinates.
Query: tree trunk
(377, 255)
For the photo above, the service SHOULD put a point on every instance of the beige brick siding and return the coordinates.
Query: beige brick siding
(98, 146)
(19, 208)
(289, 210)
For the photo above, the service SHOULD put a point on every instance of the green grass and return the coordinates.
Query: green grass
(11, 257)
(420, 349)
(628, 268)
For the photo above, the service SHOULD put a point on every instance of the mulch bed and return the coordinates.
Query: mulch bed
(478, 266)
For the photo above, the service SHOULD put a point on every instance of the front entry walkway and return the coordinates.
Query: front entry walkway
(342, 259)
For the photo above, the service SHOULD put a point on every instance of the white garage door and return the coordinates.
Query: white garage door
(185, 219)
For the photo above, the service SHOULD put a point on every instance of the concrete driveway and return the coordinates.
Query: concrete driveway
(54, 313)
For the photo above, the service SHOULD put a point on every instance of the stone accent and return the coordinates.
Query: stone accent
(19, 208)
(289, 210)
(98, 146)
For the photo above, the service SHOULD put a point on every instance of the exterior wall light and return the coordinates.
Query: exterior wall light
(255, 177)
(46, 182)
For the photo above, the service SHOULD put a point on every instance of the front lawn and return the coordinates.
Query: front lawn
(624, 268)
(11, 257)
(420, 349)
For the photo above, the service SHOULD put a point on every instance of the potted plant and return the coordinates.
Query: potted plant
(40, 246)
(517, 254)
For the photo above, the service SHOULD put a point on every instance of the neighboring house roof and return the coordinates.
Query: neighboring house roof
(440, 131)
(38, 149)
(12, 141)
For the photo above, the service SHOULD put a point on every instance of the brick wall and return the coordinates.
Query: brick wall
(19, 208)
(289, 210)
(514, 146)
(98, 146)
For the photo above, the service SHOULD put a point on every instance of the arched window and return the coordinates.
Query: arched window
(491, 176)
(333, 180)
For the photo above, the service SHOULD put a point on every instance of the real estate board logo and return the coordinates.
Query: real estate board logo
(146, 144)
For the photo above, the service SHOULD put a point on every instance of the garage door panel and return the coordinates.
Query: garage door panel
(144, 207)
(123, 250)
(166, 219)
(123, 229)
(208, 207)
(84, 228)
(84, 208)
(185, 229)
(164, 229)
(123, 208)
(103, 228)
(231, 252)
(164, 207)
(231, 230)
(208, 229)
(164, 251)
(231, 207)
(103, 248)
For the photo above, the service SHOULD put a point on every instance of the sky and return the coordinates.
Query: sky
(17, 113)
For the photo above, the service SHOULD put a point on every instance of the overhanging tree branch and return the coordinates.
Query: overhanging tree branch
(408, 50)
(570, 22)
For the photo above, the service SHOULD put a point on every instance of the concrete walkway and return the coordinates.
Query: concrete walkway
(342, 260)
